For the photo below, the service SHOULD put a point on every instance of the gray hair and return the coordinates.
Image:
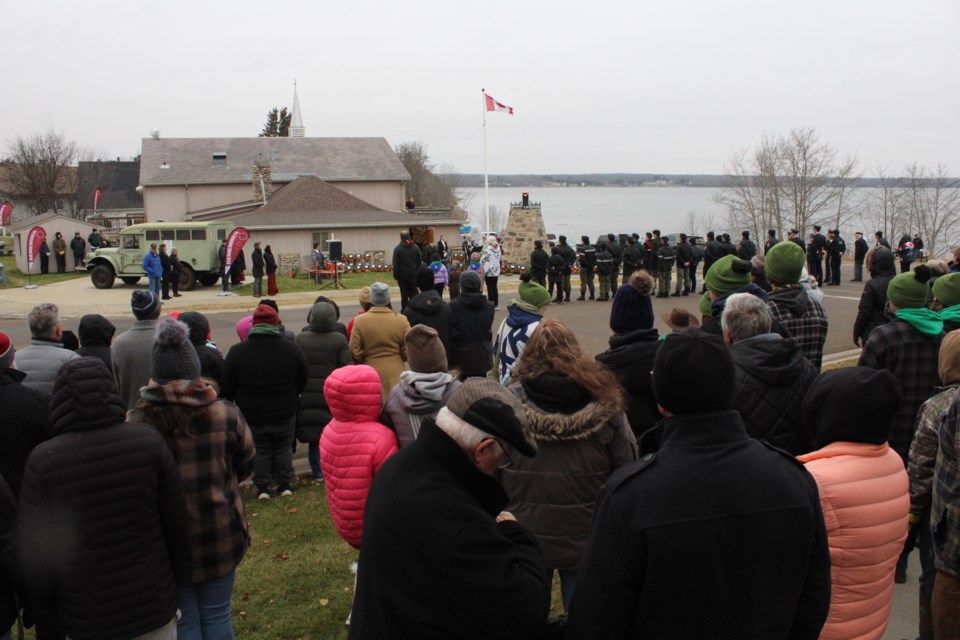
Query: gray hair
(460, 431)
(745, 316)
(44, 320)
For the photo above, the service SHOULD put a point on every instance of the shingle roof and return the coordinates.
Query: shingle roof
(33, 221)
(190, 160)
(308, 201)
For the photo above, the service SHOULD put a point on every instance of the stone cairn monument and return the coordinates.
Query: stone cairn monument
(524, 226)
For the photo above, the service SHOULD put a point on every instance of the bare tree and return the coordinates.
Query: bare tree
(39, 169)
(498, 219)
(888, 205)
(934, 201)
(791, 181)
(428, 189)
(698, 223)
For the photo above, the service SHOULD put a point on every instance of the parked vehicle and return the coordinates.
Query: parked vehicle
(197, 243)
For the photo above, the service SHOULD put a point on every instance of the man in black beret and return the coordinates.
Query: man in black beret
(439, 556)
(687, 541)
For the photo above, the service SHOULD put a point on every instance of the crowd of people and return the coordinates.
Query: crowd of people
(710, 481)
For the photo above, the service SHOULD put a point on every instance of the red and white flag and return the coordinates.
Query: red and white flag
(97, 195)
(5, 210)
(235, 241)
(34, 239)
(493, 105)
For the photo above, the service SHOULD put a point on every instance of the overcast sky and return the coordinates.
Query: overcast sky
(599, 86)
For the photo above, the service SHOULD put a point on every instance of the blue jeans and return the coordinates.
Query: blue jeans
(205, 610)
(154, 284)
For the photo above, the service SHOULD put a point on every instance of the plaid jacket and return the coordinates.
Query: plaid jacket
(212, 461)
(923, 451)
(945, 511)
(803, 317)
(913, 358)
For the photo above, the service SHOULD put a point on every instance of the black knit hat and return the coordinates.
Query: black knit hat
(424, 279)
(632, 309)
(470, 282)
(693, 373)
(145, 304)
(830, 416)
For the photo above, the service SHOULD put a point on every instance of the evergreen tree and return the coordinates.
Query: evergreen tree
(278, 124)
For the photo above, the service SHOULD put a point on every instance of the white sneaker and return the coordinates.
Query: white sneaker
(286, 492)
(263, 496)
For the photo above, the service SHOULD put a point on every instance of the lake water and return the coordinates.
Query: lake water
(576, 211)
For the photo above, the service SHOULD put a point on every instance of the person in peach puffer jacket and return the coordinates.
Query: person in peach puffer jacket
(353, 445)
(864, 492)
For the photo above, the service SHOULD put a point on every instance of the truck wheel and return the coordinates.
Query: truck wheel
(102, 276)
(208, 279)
(187, 278)
(130, 279)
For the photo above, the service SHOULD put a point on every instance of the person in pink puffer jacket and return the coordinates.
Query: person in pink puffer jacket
(353, 445)
(864, 492)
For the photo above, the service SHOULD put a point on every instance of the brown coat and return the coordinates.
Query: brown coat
(377, 340)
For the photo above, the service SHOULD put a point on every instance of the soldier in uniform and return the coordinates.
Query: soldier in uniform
(538, 263)
(616, 251)
(587, 255)
(684, 257)
(604, 267)
(556, 266)
(570, 258)
(665, 259)
(632, 259)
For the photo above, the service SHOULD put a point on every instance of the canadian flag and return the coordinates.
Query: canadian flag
(493, 105)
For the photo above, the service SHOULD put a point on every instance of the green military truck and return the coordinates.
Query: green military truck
(197, 244)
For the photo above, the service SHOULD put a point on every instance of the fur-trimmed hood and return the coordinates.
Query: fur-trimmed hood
(581, 424)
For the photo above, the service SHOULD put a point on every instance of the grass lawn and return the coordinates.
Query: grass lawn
(286, 284)
(295, 581)
(17, 279)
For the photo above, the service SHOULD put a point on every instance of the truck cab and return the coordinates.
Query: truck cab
(197, 244)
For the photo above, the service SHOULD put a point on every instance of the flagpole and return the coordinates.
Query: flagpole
(486, 183)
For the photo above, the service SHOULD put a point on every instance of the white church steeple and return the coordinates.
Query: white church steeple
(296, 120)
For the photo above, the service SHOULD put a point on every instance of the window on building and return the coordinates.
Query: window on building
(219, 159)
(323, 237)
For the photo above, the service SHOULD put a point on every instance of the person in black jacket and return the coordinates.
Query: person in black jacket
(237, 268)
(256, 257)
(860, 249)
(632, 348)
(96, 334)
(772, 239)
(211, 362)
(570, 260)
(587, 256)
(684, 258)
(711, 253)
(406, 261)
(439, 557)
(666, 257)
(472, 337)
(103, 527)
(747, 248)
(616, 250)
(428, 308)
(167, 271)
(11, 575)
(175, 270)
(539, 260)
(706, 521)
(265, 376)
(819, 250)
(25, 420)
(556, 267)
(632, 259)
(772, 376)
(873, 310)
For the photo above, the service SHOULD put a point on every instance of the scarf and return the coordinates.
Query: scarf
(192, 393)
(927, 322)
(264, 329)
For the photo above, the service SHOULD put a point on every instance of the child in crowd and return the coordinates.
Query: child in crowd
(440, 275)
(456, 270)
